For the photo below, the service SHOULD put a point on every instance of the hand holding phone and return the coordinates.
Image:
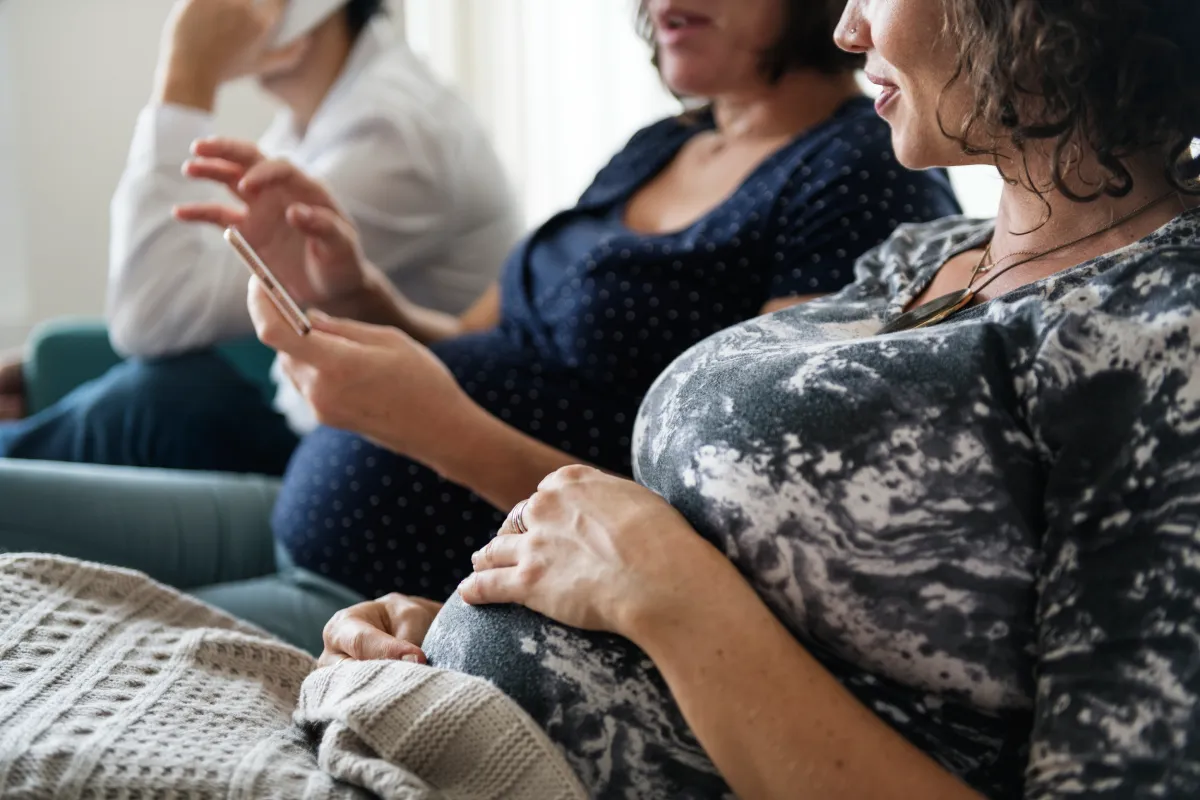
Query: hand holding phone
(283, 301)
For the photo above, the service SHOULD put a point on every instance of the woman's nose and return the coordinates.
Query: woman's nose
(851, 33)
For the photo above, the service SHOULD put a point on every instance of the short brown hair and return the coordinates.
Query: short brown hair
(1122, 78)
(806, 41)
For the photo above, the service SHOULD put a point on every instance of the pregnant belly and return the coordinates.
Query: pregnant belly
(598, 697)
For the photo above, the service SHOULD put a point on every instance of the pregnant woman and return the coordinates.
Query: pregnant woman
(935, 536)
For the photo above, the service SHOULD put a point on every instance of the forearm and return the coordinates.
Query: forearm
(773, 720)
(184, 85)
(170, 286)
(495, 460)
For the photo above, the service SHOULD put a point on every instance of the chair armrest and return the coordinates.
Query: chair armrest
(66, 353)
(166, 523)
(63, 354)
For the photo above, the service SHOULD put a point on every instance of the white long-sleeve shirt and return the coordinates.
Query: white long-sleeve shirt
(401, 153)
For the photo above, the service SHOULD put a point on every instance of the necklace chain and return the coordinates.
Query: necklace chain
(940, 308)
(1034, 255)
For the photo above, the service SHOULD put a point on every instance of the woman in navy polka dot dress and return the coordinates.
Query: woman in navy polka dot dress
(762, 199)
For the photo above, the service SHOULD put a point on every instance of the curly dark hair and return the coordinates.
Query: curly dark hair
(806, 41)
(1120, 77)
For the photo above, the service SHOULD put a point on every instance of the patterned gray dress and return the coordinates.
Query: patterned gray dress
(988, 530)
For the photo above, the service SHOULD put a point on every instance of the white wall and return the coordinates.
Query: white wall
(73, 75)
(560, 84)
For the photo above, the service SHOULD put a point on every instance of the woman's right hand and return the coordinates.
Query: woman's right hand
(290, 219)
(390, 628)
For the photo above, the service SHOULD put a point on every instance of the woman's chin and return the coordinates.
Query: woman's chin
(915, 149)
(691, 80)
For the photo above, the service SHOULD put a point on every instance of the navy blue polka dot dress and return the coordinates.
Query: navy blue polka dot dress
(591, 313)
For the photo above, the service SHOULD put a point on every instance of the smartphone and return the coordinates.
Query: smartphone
(279, 296)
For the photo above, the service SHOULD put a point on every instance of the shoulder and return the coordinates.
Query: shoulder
(1155, 277)
(1125, 339)
(913, 246)
(396, 98)
(666, 132)
(646, 151)
(655, 141)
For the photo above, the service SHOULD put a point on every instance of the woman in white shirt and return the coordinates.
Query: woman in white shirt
(403, 155)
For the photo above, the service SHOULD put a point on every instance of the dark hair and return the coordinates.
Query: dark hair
(360, 12)
(806, 41)
(1120, 78)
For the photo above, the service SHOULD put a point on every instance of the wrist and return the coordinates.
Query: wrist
(371, 301)
(669, 604)
(455, 453)
(180, 84)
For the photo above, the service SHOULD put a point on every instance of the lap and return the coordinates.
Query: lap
(378, 522)
(184, 529)
(193, 411)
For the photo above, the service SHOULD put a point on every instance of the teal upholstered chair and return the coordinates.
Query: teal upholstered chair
(65, 353)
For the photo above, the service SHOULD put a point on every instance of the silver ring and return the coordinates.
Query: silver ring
(518, 518)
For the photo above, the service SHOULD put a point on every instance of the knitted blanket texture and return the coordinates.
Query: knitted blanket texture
(114, 686)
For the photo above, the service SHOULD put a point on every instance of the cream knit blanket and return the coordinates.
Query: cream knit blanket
(112, 685)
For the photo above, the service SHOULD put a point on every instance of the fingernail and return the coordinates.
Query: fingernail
(411, 658)
(303, 212)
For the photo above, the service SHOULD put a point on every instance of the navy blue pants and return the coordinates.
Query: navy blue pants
(192, 412)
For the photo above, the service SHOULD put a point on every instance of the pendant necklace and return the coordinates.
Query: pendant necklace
(940, 308)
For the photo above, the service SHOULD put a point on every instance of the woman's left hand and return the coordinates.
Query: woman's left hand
(373, 380)
(597, 552)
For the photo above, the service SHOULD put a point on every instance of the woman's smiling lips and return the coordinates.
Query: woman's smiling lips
(889, 93)
(673, 25)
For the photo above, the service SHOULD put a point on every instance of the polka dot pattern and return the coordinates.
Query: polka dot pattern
(592, 313)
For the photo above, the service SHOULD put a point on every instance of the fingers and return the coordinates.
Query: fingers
(355, 331)
(331, 237)
(272, 328)
(494, 586)
(324, 224)
(351, 636)
(213, 213)
(277, 173)
(303, 357)
(218, 170)
(504, 550)
(575, 473)
(519, 511)
(328, 659)
(238, 151)
(409, 618)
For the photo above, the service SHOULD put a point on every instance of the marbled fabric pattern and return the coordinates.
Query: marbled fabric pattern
(988, 530)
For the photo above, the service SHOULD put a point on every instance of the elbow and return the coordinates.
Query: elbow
(132, 330)
(128, 337)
